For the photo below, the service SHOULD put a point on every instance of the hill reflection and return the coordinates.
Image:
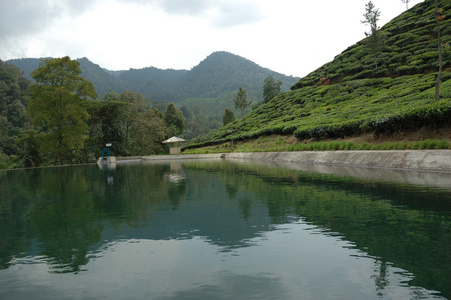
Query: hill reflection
(67, 214)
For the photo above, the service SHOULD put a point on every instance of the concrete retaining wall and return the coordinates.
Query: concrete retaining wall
(434, 160)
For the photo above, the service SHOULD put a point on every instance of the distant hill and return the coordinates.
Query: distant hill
(102, 79)
(223, 72)
(352, 95)
(160, 85)
(219, 73)
(26, 64)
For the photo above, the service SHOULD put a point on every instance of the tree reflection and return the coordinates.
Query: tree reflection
(65, 209)
(400, 224)
(64, 212)
(381, 277)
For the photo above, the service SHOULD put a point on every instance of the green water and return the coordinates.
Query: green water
(222, 230)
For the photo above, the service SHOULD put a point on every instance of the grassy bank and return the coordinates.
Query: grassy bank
(369, 142)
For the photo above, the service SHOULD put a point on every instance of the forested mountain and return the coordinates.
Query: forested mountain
(369, 88)
(160, 85)
(223, 72)
(219, 73)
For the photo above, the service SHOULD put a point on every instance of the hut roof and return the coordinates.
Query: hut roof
(173, 139)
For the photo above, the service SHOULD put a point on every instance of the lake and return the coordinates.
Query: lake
(224, 229)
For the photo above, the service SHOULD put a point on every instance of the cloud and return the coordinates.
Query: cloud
(21, 19)
(220, 13)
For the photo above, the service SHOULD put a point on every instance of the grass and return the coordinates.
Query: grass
(280, 144)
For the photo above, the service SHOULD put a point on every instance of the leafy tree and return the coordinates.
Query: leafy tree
(375, 39)
(240, 100)
(174, 120)
(148, 132)
(29, 142)
(438, 17)
(14, 92)
(56, 106)
(5, 138)
(192, 130)
(105, 126)
(110, 95)
(134, 108)
(228, 117)
(271, 88)
(13, 86)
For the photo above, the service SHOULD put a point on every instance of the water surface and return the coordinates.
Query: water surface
(220, 230)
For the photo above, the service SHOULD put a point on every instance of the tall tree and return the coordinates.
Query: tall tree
(375, 39)
(228, 117)
(271, 88)
(134, 108)
(56, 106)
(106, 125)
(174, 120)
(438, 17)
(406, 2)
(148, 132)
(240, 100)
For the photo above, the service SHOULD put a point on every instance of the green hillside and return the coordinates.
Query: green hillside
(352, 94)
(158, 84)
(223, 72)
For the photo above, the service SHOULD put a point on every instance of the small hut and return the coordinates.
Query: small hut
(174, 145)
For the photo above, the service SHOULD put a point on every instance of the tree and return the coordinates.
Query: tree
(14, 95)
(148, 132)
(56, 106)
(174, 120)
(406, 2)
(271, 88)
(228, 117)
(110, 95)
(375, 39)
(134, 108)
(28, 143)
(438, 17)
(240, 100)
(106, 125)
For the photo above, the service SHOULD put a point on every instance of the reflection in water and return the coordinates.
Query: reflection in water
(109, 167)
(219, 229)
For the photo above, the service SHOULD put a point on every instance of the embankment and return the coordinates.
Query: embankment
(430, 160)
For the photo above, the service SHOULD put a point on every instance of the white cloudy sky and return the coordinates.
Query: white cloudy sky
(293, 37)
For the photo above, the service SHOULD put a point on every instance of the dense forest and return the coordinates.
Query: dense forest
(392, 83)
(58, 120)
(202, 93)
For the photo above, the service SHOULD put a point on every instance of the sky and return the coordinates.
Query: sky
(292, 37)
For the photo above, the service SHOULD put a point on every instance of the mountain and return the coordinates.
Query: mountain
(354, 94)
(223, 72)
(102, 79)
(155, 83)
(26, 64)
(219, 73)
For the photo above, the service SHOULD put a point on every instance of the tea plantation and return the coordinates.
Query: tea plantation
(359, 92)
